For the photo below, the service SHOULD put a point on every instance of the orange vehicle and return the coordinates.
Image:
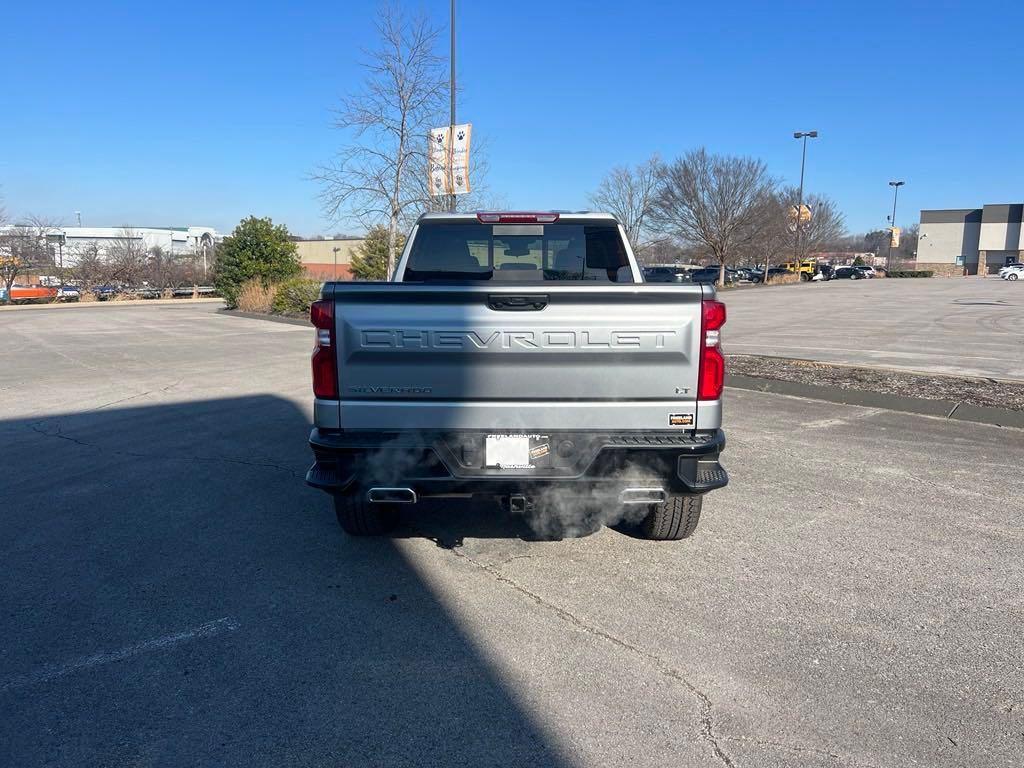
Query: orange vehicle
(28, 293)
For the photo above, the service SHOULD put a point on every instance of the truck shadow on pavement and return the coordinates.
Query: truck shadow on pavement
(176, 595)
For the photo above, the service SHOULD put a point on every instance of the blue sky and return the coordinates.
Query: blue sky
(201, 113)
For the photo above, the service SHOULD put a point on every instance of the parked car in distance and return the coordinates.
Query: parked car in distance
(200, 290)
(805, 268)
(847, 273)
(1015, 272)
(750, 274)
(710, 275)
(666, 275)
(29, 294)
(105, 292)
(69, 293)
(1014, 265)
(866, 270)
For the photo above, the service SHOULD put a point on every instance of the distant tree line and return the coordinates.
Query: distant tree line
(722, 209)
(34, 246)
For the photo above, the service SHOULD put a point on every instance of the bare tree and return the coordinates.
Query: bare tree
(664, 251)
(90, 268)
(24, 247)
(16, 250)
(127, 256)
(826, 224)
(375, 179)
(771, 240)
(712, 201)
(628, 192)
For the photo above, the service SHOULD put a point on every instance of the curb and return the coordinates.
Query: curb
(943, 409)
(87, 304)
(874, 367)
(270, 318)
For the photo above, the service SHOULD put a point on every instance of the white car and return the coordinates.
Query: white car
(1009, 267)
(69, 293)
(1016, 272)
(867, 270)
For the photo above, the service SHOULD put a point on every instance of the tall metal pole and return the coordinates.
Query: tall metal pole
(892, 222)
(805, 135)
(451, 118)
(800, 205)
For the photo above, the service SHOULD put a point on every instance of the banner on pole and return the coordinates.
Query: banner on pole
(448, 160)
(437, 161)
(894, 237)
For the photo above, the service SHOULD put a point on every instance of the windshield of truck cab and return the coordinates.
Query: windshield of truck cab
(518, 252)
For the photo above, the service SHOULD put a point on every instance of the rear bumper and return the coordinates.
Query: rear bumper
(445, 464)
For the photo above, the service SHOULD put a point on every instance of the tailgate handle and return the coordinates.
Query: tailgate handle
(517, 303)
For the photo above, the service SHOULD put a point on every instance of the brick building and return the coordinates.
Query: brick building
(328, 259)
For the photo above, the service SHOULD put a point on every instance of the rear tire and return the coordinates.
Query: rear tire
(675, 518)
(804, 277)
(358, 517)
(1011, 276)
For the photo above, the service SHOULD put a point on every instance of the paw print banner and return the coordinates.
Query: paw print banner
(449, 160)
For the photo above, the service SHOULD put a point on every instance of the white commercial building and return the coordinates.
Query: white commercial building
(70, 242)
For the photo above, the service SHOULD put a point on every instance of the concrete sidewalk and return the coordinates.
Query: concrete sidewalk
(106, 304)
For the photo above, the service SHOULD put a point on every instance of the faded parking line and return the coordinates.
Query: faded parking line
(52, 671)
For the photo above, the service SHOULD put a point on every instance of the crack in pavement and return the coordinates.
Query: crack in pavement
(706, 721)
(135, 397)
(37, 427)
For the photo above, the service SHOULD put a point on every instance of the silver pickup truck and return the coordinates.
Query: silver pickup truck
(519, 356)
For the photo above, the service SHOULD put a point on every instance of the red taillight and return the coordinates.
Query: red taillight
(325, 364)
(711, 378)
(517, 217)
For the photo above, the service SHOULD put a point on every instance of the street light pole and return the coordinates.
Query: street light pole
(336, 249)
(451, 117)
(805, 135)
(892, 222)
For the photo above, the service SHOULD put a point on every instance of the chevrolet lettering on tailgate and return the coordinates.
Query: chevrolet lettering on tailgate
(498, 339)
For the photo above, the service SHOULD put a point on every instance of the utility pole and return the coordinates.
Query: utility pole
(79, 215)
(451, 116)
(800, 195)
(892, 222)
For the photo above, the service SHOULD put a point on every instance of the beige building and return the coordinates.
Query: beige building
(970, 241)
(328, 259)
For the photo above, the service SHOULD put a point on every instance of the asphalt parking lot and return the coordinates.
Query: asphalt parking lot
(173, 594)
(961, 326)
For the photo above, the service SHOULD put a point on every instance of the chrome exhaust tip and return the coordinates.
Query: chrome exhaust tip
(391, 496)
(642, 496)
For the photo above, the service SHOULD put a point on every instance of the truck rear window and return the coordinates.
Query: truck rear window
(518, 252)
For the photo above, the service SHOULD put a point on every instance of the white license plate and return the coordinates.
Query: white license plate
(508, 451)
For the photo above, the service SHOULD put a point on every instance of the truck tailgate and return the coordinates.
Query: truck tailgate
(431, 356)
